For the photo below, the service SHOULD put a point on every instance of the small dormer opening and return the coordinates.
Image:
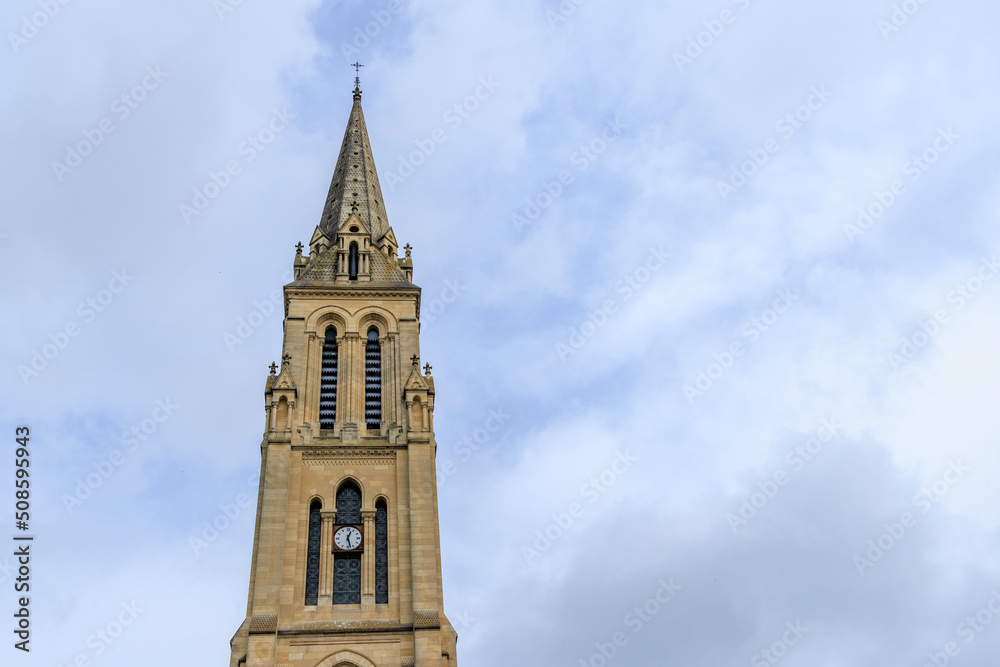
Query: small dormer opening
(416, 415)
(354, 228)
(352, 262)
(282, 417)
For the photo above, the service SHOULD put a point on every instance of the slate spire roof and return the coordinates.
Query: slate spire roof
(355, 186)
(355, 196)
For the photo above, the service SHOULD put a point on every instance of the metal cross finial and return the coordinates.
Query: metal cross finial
(274, 368)
(286, 359)
(407, 248)
(415, 359)
(298, 248)
(357, 74)
(427, 369)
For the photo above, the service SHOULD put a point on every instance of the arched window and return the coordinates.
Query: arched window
(373, 381)
(349, 504)
(328, 381)
(312, 553)
(282, 416)
(352, 261)
(417, 415)
(347, 566)
(381, 553)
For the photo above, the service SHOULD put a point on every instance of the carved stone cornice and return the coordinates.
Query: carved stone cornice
(319, 456)
(351, 293)
(354, 291)
(344, 627)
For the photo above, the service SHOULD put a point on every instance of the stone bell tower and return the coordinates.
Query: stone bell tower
(346, 567)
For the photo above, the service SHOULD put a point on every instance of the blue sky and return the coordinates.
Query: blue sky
(725, 271)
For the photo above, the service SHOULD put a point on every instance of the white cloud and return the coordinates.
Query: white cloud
(527, 291)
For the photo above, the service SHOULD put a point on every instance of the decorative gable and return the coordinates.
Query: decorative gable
(418, 394)
(388, 245)
(354, 250)
(319, 242)
(279, 397)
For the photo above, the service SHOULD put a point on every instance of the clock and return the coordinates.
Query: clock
(347, 538)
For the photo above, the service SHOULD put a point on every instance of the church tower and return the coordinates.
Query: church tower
(346, 568)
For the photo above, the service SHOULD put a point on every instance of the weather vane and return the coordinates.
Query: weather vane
(357, 73)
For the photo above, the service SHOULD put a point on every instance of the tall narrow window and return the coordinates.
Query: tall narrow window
(312, 553)
(347, 567)
(373, 381)
(328, 381)
(381, 553)
(282, 417)
(352, 262)
(417, 415)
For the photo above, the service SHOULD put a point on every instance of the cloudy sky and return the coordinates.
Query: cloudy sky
(710, 292)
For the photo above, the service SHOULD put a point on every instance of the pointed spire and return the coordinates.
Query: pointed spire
(357, 79)
(354, 188)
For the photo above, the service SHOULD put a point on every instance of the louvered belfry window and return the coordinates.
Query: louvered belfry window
(373, 381)
(352, 262)
(328, 381)
(347, 567)
(312, 554)
(381, 553)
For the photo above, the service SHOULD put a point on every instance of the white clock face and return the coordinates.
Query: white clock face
(347, 537)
